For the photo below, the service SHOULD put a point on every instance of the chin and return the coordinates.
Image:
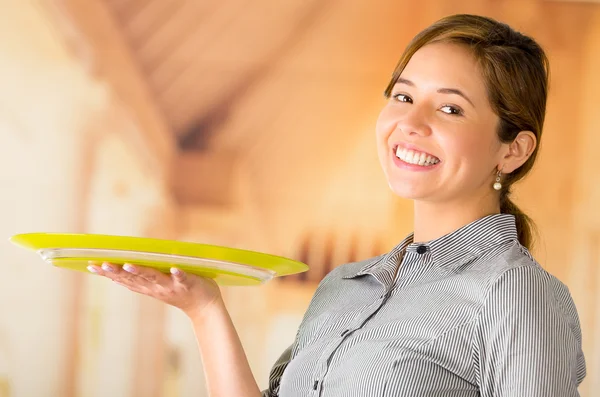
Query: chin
(408, 191)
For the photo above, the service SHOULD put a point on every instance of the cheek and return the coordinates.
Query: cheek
(469, 150)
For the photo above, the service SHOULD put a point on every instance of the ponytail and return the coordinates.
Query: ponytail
(525, 225)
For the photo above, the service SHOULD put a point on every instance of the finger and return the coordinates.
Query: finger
(178, 275)
(93, 267)
(152, 276)
(115, 273)
(122, 284)
(104, 269)
(122, 278)
(111, 268)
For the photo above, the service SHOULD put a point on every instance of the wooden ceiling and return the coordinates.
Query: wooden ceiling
(201, 58)
(263, 85)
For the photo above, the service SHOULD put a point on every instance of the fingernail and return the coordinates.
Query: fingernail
(128, 268)
(105, 266)
(176, 272)
(92, 269)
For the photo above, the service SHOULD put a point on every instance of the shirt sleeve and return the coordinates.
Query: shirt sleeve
(277, 372)
(527, 338)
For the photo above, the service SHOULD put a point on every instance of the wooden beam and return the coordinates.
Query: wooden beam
(94, 36)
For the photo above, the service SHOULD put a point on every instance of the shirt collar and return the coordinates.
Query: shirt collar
(451, 250)
(383, 267)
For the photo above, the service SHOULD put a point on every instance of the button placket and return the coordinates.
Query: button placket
(360, 319)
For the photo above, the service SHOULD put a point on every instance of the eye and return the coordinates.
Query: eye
(449, 109)
(402, 98)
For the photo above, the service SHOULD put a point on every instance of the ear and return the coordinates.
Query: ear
(519, 151)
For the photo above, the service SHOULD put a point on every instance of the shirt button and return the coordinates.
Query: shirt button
(421, 249)
(315, 385)
(345, 332)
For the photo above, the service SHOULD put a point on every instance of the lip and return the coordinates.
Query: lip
(410, 146)
(412, 167)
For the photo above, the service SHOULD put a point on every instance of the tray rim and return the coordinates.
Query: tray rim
(281, 265)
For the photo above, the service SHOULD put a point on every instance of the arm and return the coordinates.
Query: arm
(527, 339)
(225, 364)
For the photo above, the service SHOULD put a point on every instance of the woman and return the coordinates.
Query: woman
(459, 307)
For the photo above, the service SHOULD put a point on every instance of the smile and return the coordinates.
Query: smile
(415, 157)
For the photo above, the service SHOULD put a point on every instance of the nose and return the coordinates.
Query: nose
(415, 121)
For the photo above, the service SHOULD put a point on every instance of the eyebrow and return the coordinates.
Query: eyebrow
(454, 91)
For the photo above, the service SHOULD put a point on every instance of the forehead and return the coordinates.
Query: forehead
(446, 65)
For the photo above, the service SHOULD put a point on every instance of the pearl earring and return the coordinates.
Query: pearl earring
(498, 185)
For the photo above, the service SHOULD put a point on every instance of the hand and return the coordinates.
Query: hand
(188, 292)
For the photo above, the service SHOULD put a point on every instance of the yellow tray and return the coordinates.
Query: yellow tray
(227, 266)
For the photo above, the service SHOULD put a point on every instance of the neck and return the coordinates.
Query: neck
(434, 220)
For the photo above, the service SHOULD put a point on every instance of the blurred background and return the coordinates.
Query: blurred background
(247, 124)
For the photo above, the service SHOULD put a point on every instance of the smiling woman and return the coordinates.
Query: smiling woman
(492, 82)
(459, 307)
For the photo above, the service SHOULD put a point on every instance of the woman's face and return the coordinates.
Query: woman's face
(436, 136)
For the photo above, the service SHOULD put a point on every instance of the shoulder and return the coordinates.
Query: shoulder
(527, 321)
(335, 277)
(491, 263)
(347, 270)
(517, 268)
(518, 282)
(335, 285)
(351, 269)
(512, 265)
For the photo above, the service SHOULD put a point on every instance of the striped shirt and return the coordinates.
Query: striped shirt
(468, 314)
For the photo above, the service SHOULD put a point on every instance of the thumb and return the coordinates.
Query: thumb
(179, 275)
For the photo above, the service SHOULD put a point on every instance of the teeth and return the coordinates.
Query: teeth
(413, 157)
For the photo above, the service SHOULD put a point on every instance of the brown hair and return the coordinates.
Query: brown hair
(516, 72)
